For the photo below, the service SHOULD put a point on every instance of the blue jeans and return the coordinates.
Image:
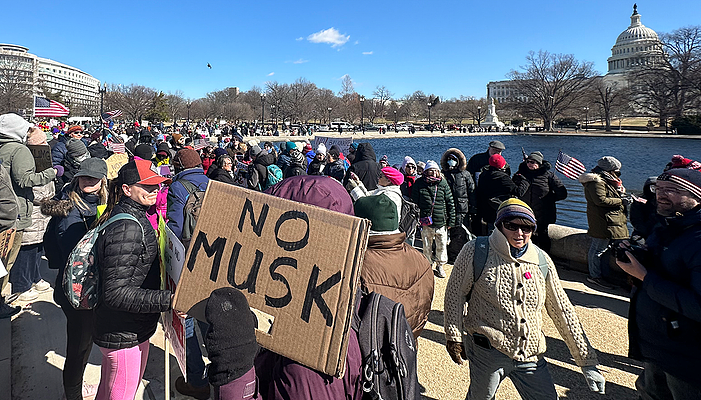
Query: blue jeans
(594, 256)
(655, 384)
(488, 367)
(25, 272)
(194, 364)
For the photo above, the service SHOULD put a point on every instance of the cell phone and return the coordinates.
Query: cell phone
(481, 341)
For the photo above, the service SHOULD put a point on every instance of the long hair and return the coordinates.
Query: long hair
(77, 200)
(114, 194)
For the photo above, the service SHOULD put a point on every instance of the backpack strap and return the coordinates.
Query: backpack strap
(542, 262)
(119, 217)
(479, 259)
(189, 186)
(399, 364)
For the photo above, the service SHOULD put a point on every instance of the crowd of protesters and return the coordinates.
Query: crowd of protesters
(505, 275)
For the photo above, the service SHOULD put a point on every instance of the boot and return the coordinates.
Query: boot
(6, 310)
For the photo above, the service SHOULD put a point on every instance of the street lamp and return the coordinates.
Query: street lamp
(586, 122)
(272, 113)
(429, 115)
(102, 89)
(479, 116)
(395, 121)
(188, 105)
(362, 103)
(262, 112)
(329, 110)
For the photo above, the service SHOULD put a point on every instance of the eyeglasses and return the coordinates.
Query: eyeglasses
(669, 191)
(514, 227)
(531, 162)
(410, 166)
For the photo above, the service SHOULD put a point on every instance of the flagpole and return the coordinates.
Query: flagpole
(34, 107)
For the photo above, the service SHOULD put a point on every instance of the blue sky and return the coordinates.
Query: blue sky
(448, 48)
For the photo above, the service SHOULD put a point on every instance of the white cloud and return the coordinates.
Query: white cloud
(357, 42)
(330, 36)
(300, 61)
(299, 38)
(271, 74)
(367, 53)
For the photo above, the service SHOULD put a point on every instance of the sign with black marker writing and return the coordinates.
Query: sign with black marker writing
(42, 156)
(297, 264)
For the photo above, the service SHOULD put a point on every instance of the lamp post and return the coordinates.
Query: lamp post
(429, 115)
(479, 116)
(329, 110)
(102, 89)
(362, 104)
(395, 121)
(188, 105)
(273, 115)
(586, 122)
(262, 112)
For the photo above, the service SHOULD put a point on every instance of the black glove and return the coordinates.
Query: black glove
(456, 351)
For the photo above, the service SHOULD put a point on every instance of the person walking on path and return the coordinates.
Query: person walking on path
(437, 212)
(507, 282)
(606, 213)
(494, 186)
(73, 212)
(664, 323)
(130, 302)
(462, 186)
(538, 187)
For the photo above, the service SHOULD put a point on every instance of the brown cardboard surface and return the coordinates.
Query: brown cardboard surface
(42, 156)
(114, 163)
(301, 281)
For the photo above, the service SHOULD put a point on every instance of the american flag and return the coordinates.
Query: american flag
(111, 114)
(48, 108)
(569, 166)
(200, 144)
(117, 147)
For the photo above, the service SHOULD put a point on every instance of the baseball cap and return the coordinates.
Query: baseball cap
(497, 144)
(93, 167)
(140, 171)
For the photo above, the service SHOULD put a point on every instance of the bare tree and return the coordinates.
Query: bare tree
(302, 94)
(610, 97)
(381, 97)
(552, 82)
(350, 104)
(16, 85)
(135, 100)
(175, 102)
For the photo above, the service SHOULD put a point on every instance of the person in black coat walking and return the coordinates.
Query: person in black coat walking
(365, 166)
(130, 301)
(540, 189)
(462, 186)
(494, 187)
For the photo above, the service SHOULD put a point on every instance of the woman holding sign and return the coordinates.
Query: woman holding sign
(131, 300)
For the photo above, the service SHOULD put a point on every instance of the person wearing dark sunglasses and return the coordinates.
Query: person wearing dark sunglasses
(507, 281)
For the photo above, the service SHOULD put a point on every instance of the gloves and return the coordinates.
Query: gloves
(626, 201)
(456, 351)
(59, 170)
(595, 380)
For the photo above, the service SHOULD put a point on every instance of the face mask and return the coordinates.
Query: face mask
(452, 163)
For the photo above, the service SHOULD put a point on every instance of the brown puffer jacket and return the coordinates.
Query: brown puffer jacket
(399, 272)
(605, 212)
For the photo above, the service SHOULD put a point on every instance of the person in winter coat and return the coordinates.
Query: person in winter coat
(19, 163)
(25, 276)
(408, 168)
(258, 171)
(73, 213)
(130, 302)
(188, 167)
(664, 323)
(504, 320)
(365, 166)
(392, 267)
(435, 200)
(462, 186)
(317, 165)
(480, 162)
(352, 148)
(388, 185)
(296, 166)
(283, 161)
(538, 187)
(76, 152)
(58, 151)
(96, 148)
(494, 186)
(643, 211)
(334, 165)
(224, 170)
(279, 377)
(606, 213)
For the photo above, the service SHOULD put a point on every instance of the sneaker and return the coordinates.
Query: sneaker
(439, 272)
(29, 295)
(89, 391)
(42, 286)
(600, 282)
(200, 393)
(6, 310)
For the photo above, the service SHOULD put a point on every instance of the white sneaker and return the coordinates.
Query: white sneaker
(42, 286)
(29, 295)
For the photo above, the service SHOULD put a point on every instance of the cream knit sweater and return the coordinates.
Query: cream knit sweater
(507, 307)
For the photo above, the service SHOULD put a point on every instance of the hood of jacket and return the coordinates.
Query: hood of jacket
(264, 159)
(462, 161)
(365, 152)
(523, 169)
(589, 177)
(317, 190)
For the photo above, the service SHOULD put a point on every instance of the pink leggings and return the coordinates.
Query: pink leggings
(122, 371)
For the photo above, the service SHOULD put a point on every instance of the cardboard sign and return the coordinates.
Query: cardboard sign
(342, 142)
(114, 163)
(42, 156)
(172, 261)
(297, 264)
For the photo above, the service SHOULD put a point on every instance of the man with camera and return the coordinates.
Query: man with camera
(665, 309)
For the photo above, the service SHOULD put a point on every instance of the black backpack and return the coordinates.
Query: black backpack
(409, 219)
(388, 349)
(191, 211)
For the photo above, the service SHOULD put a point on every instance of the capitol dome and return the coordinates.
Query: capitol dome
(638, 45)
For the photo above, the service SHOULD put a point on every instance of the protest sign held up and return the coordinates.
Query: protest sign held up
(114, 163)
(328, 141)
(42, 156)
(297, 264)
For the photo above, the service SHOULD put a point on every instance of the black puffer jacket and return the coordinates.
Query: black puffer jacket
(494, 186)
(221, 175)
(540, 189)
(335, 170)
(480, 163)
(365, 166)
(131, 301)
(461, 184)
(258, 171)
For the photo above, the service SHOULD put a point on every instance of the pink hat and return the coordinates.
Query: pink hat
(497, 161)
(395, 177)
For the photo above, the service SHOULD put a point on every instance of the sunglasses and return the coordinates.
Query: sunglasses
(514, 227)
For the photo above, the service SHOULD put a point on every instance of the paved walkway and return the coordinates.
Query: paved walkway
(38, 345)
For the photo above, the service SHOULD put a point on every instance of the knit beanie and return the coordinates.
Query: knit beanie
(430, 164)
(497, 161)
(176, 137)
(163, 148)
(685, 179)
(74, 129)
(321, 149)
(296, 157)
(36, 137)
(289, 146)
(187, 158)
(514, 208)
(354, 145)
(335, 151)
(75, 148)
(679, 161)
(144, 151)
(380, 210)
(395, 177)
(536, 156)
(407, 160)
(307, 148)
(608, 163)
(231, 338)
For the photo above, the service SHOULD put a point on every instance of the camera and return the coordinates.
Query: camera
(634, 247)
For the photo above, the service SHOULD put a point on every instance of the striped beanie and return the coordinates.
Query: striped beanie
(514, 208)
(685, 179)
